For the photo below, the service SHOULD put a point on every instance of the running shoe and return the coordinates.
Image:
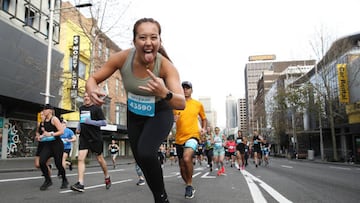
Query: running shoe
(64, 184)
(141, 182)
(189, 192)
(77, 187)
(164, 198)
(46, 184)
(107, 183)
(222, 169)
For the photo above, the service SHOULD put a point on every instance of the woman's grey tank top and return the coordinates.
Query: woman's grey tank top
(132, 83)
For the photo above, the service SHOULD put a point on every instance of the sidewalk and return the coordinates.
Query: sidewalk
(27, 164)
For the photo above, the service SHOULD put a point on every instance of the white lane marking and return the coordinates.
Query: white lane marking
(341, 168)
(285, 166)
(100, 185)
(254, 190)
(206, 175)
(53, 176)
(196, 174)
(19, 179)
(172, 174)
(276, 195)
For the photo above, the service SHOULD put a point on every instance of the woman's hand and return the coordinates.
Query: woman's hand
(97, 97)
(156, 86)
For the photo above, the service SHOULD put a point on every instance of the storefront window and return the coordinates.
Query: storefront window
(21, 136)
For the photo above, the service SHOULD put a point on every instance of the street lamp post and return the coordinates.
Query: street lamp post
(50, 39)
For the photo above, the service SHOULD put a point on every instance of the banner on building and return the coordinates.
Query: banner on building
(75, 66)
(343, 83)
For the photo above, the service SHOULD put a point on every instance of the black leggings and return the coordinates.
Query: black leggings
(146, 135)
(52, 149)
(209, 154)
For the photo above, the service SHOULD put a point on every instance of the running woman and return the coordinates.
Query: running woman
(241, 143)
(219, 150)
(257, 148)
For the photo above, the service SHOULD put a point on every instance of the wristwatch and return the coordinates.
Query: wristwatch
(169, 96)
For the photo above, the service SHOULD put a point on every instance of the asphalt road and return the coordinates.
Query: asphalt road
(282, 181)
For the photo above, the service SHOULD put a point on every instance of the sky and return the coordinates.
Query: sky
(209, 41)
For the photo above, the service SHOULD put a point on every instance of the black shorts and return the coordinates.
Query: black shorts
(241, 148)
(67, 151)
(39, 148)
(257, 148)
(95, 146)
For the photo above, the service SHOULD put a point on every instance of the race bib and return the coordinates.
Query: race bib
(47, 139)
(85, 115)
(141, 105)
(217, 145)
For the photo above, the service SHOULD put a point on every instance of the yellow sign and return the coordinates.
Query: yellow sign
(38, 117)
(262, 57)
(343, 83)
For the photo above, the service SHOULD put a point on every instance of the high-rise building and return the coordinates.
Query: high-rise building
(254, 72)
(242, 122)
(210, 113)
(231, 112)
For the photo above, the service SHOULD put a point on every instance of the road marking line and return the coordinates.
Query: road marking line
(275, 194)
(254, 190)
(196, 174)
(100, 185)
(53, 176)
(337, 167)
(206, 175)
(173, 174)
(285, 166)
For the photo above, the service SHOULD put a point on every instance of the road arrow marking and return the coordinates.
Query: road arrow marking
(206, 175)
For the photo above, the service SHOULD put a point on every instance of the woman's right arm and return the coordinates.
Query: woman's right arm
(114, 63)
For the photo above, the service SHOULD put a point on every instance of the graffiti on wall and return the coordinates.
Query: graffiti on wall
(21, 135)
(13, 139)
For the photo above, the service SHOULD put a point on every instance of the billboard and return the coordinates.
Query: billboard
(262, 57)
(75, 66)
(343, 83)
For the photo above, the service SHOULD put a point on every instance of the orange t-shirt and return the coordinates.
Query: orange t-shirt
(187, 124)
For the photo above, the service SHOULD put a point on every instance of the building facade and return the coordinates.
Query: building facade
(93, 50)
(23, 63)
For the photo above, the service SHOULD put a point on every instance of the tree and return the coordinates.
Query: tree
(328, 58)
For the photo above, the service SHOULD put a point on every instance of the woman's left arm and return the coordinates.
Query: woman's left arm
(56, 122)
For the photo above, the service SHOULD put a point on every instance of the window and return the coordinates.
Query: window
(99, 49)
(117, 86)
(5, 5)
(120, 114)
(82, 68)
(55, 3)
(117, 114)
(29, 16)
(106, 109)
(107, 53)
(47, 30)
